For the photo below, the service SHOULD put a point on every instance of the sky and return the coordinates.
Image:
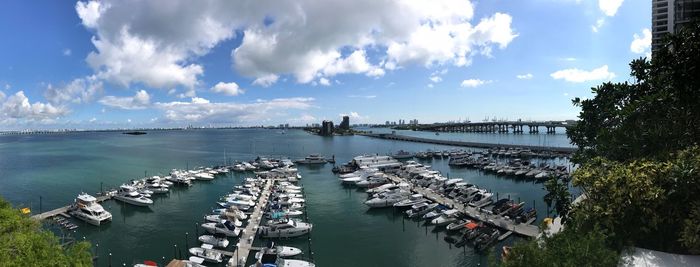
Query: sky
(170, 63)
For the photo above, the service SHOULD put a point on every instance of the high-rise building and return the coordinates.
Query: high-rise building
(345, 124)
(668, 16)
(326, 128)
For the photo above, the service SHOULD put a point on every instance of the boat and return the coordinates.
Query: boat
(217, 240)
(193, 262)
(485, 240)
(285, 228)
(410, 201)
(273, 260)
(207, 253)
(372, 181)
(481, 199)
(419, 210)
(447, 217)
(280, 251)
(154, 185)
(204, 176)
(87, 209)
(312, 159)
(128, 194)
(217, 218)
(401, 154)
(146, 264)
(227, 228)
(460, 224)
(387, 200)
(434, 213)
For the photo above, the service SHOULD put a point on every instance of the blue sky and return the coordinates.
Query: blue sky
(115, 64)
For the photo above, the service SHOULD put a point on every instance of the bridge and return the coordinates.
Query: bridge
(491, 126)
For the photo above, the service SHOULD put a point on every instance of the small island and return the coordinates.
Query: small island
(134, 133)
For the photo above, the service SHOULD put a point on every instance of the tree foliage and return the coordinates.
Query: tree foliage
(24, 243)
(655, 115)
(558, 197)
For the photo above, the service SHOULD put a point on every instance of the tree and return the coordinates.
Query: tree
(652, 117)
(558, 196)
(24, 243)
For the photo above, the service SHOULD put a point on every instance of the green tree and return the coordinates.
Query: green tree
(24, 243)
(558, 197)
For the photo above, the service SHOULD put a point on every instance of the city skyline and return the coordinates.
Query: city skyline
(109, 64)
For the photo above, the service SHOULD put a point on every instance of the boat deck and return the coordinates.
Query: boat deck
(522, 229)
(63, 210)
(245, 243)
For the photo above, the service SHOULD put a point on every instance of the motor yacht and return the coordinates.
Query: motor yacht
(87, 209)
(227, 228)
(130, 195)
(217, 240)
(312, 159)
(372, 181)
(481, 199)
(387, 200)
(447, 217)
(204, 176)
(280, 251)
(410, 201)
(277, 261)
(207, 253)
(401, 154)
(420, 209)
(220, 218)
(285, 228)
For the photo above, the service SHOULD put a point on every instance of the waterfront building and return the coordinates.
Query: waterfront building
(345, 124)
(668, 16)
(326, 128)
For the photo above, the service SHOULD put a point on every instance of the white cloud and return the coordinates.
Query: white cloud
(363, 96)
(323, 81)
(474, 83)
(641, 44)
(231, 88)
(305, 118)
(140, 100)
(435, 79)
(17, 108)
(67, 52)
(81, 90)
(577, 76)
(202, 110)
(598, 24)
(7, 86)
(93, 120)
(146, 42)
(526, 76)
(430, 85)
(609, 7)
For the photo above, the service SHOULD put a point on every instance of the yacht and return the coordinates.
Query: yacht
(481, 199)
(372, 181)
(207, 253)
(204, 176)
(412, 200)
(154, 185)
(387, 200)
(457, 225)
(217, 240)
(280, 251)
(231, 212)
(128, 194)
(227, 228)
(217, 218)
(402, 155)
(312, 159)
(285, 228)
(420, 209)
(275, 260)
(87, 209)
(447, 217)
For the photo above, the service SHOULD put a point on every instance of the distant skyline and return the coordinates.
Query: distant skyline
(130, 64)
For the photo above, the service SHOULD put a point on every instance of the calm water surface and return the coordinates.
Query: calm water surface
(57, 167)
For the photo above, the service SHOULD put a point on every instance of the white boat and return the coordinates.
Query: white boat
(285, 228)
(276, 261)
(387, 200)
(238, 167)
(157, 187)
(221, 219)
(447, 217)
(420, 209)
(87, 209)
(402, 155)
(128, 194)
(205, 252)
(227, 228)
(204, 176)
(217, 240)
(457, 225)
(372, 181)
(232, 212)
(481, 199)
(312, 159)
(410, 201)
(194, 262)
(280, 251)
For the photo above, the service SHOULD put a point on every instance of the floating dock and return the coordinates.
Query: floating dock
(563, 150)
(522, 229)
(63, 210)
(245, 243)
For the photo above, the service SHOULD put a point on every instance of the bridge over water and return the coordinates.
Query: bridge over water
(491, 126)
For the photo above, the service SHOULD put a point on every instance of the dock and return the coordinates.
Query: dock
(63, 210)
(527, 230)
(245, 243)
(397, 137)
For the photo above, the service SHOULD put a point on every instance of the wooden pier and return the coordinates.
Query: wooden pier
(63, 210)
(527, 230)
(563, 150)
(245, 243)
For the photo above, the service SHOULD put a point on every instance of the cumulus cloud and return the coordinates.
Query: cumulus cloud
(577, 75)
(474, 83)
(231, 88)
(526, 76)
(81, 90)
(598, 24)
(642, 44)
(17, 108)
(609, 7)
(147, 42)
(202, 110)
(140, 100)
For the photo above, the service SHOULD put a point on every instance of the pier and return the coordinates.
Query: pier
(62, 210)
(563, 150)
(245, 243)
(527, 230)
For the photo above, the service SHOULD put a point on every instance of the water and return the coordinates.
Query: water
(558, 139)
(58, 167)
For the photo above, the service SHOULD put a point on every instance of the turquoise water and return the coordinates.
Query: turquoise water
(58, 167)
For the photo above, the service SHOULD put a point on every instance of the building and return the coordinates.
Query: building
(668, 16)
(326, 128)
(345, 124)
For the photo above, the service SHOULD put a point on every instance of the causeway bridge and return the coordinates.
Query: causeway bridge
(550, 127)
